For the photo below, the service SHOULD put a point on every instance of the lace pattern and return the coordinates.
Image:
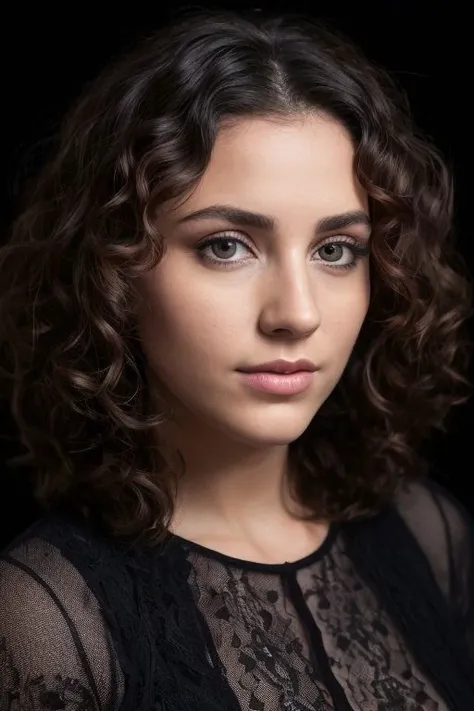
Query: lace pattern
(19, 693)
(259, 639)
(365, 651)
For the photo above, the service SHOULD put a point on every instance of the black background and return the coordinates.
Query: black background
(47, 56)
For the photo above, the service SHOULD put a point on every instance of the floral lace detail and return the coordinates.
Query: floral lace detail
(365, 652)
(260, 643)
(264, 648)
(34, 694)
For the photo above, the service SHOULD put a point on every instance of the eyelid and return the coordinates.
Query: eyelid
(230, 234)
(234, 236)
(338, 239)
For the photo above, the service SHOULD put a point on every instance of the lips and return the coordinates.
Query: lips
(280, 384)
(281, 366)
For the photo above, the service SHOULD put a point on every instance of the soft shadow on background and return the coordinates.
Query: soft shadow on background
(47, 57)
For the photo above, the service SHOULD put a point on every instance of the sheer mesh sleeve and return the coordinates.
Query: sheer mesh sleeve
(445, 531)
(55, 652)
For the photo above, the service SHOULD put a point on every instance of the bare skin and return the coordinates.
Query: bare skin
(282, 293)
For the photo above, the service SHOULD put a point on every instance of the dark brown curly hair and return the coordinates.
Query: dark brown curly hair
(142, 133)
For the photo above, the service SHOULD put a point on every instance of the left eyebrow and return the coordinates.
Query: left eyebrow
(245, 218)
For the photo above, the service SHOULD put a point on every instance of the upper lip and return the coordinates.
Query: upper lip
(281, 366)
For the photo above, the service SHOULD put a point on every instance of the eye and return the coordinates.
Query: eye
(339, 254)
(332, 252)
(223, 247)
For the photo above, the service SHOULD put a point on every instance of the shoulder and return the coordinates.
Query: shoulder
(444, 529)
(34, 567)
(51, 626)
(430, 509)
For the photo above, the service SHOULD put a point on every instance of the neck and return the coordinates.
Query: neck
(228, 486)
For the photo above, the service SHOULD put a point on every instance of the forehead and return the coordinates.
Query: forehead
(275, 166)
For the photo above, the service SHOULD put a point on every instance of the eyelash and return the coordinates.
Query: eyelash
(359, 251)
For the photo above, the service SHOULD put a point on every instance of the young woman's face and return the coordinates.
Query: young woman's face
(273, 287)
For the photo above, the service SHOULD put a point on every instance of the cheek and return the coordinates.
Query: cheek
(344, 315)
(180, 324)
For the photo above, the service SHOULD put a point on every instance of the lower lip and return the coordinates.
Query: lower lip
(279, 383)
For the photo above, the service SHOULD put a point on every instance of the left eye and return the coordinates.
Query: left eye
(333, 251)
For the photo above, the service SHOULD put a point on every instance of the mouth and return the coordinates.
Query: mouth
(278, 383)
(282, 367)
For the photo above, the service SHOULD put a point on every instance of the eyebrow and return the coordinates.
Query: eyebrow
(245, 218)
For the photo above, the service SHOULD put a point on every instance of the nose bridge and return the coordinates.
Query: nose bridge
(291, 300)
(294, 278)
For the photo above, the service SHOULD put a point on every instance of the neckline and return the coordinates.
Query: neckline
(287, 567)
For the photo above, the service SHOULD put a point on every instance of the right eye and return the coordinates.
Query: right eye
(226, 245)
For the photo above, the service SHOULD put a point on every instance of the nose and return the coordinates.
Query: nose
(290, 305)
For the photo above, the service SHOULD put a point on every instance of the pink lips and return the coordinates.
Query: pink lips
(279, 383)
(281, 366)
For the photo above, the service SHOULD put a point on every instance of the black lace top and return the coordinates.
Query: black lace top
(379, 618)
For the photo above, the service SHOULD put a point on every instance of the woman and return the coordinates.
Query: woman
(226, 443)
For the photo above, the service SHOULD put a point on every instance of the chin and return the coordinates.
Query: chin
(271, 434)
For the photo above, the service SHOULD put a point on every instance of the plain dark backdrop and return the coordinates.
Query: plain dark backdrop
(47, 56)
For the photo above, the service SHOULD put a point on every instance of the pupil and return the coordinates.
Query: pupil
(225, 247)
(332, 250)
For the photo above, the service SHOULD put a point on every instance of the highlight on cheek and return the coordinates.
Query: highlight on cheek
(342, 253)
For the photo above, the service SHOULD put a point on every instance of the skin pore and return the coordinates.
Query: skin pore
(290, 286)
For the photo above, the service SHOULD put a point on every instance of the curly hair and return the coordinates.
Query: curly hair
(142, 133)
